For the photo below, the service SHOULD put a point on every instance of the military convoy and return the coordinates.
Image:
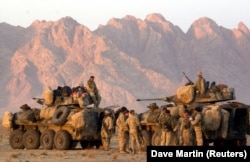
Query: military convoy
(66, 118)
(59, 124)
(225, 121)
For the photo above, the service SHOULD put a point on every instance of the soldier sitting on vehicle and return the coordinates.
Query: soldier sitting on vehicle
(93, 91)
(81, 95)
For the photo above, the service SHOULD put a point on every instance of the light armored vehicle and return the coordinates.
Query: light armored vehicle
(225, 120)
(59, 124)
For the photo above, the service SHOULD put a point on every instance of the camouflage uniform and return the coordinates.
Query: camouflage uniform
(197, 124)
(200, 84)
(134, 127)
(167, 125)
(152, 117)
(186, 130)
(82, 97)
(106, 130)
(122, 132)
(93, 91)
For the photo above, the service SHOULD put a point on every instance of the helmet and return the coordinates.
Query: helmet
(25, 107)
(123, 109)
(153, 106)
(106, 112)
(198, 108)
(199, 73)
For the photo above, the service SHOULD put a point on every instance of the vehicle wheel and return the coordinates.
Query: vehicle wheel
(31, 139)
(145, 140)
(156, 139)
(60, 116)
(47, 139)
(16, 139)
(62, 140)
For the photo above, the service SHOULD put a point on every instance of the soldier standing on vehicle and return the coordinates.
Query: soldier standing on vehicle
(134, 127)
(122, 130)
(200, 84)
(186, 129)
(197, 124)
(167, 125)
(93, 91)
(106, 130)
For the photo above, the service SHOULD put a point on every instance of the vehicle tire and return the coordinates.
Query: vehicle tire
(16, 139)
(156, 139)
(60, 116)
(145, 140)
(47, 139)
(31, 139)
(62, 140)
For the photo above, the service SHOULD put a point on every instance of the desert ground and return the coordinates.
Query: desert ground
(7, 154)
(76, 155)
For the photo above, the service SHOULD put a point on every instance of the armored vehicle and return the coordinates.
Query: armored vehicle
(59, 124)
(225, 120)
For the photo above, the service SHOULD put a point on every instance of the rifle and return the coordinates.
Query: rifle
(189, 81)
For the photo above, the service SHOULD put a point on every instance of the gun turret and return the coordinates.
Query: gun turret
(166, 99)
(152, 99)
(190, 82)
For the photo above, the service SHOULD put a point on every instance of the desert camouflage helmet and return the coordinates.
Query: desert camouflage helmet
(25, 107)
(106, 112)
(153, 106)
(199, 73)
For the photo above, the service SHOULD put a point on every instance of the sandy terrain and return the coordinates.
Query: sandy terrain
(7, 154)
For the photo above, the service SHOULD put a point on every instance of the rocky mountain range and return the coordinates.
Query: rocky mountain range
(130, 58)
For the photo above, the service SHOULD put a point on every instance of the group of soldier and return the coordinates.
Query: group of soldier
(184, 131)
(128, 131)
(187, 129)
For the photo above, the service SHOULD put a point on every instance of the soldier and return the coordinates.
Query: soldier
(200, 84)
(122, 130)
(134, 127)
(93, 91)
(197, 124)
(106, 130)
(164, 107)
(152, 117)
(186, 129)
(166, 123)
(82, 95)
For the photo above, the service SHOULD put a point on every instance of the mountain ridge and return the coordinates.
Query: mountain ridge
(131, 58)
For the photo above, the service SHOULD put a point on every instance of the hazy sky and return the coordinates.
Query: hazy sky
(91, 13)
